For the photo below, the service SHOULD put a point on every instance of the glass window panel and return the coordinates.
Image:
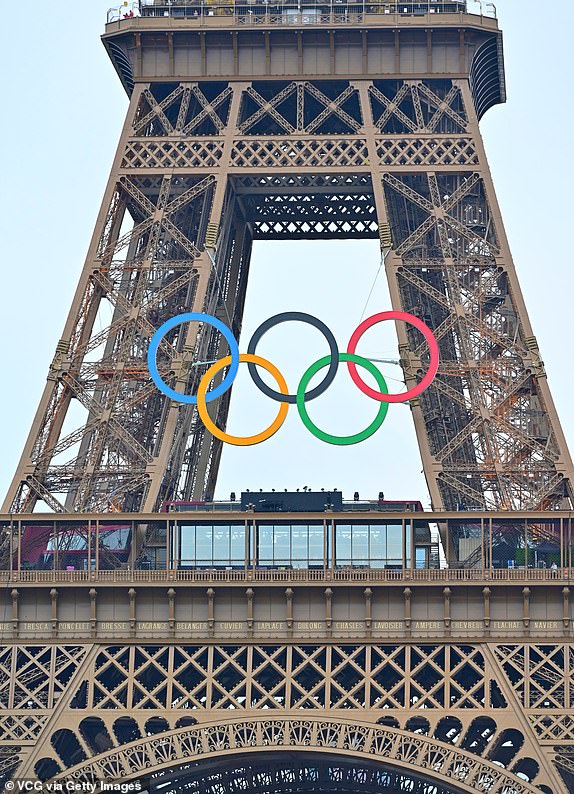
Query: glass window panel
(68, 541)
(343, 544)
(221, 543)
(282, 545)
(316, 545)
(360, 544)
(115, 539)
(204, 545)
(394, 542)
(544, 543)
(378, 543)
(187, 545)
(253, 552)
(300, 543)
(237, 544)
(265, 543)
(421, 557)
(509, 544)
(157, 558)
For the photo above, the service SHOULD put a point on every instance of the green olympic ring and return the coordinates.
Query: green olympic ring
(327, 437)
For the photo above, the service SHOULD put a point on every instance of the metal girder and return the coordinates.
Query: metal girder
(206, 163)
(268, 161)
(498, 709)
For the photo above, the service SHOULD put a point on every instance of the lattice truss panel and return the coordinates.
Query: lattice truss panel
(542, 676)
(106, 705)
(145, 272)
(299, 677)
(309, 207)
(299, 124)
(141, 277)
(219, 164)
(486, 419)
(296, 126)
(33, 680)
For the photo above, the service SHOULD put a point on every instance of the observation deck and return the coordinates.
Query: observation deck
(298, 12)
(356, 541)
(215, 570)
(158, 40)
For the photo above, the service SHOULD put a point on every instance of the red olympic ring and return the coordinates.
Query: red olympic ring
(434, 356)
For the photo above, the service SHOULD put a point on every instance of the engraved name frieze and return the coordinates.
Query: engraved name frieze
(389, 625)
(197, 625)
(349, 625)
(270, 625)
(66, 625)
(467, 625)
(114, 625)
(505, 624)
(153, 626)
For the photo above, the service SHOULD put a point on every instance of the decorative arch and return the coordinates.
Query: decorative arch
(451, 766)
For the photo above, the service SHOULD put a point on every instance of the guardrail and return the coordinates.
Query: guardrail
(422, 575)
(295, 11)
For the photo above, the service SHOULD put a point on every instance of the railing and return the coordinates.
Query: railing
(124, 11)
(307, 12)
(297, 575)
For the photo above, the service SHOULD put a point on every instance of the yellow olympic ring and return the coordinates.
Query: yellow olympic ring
(241, 441)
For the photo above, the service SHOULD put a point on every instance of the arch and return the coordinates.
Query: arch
(527, 767)
(285, 773)
(46, 768)
(479, 734)
(95, 734)
(156, 725)
(67, 747)
(448, 729)
(507, 745)
(126, 730)
(417, 754)
(418, 725)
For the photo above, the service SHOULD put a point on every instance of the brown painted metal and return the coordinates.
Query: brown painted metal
(231, 117)
(486, 661)
(201, 171)
(472, 668)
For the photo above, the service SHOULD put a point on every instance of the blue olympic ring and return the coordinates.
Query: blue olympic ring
(188, 317)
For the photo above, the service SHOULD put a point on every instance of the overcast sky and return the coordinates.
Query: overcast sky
(63, 111)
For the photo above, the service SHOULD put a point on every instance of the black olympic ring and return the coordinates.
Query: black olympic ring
(303, 318)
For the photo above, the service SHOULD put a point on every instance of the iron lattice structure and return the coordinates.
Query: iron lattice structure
(376, 135)
(454, 717)
(257, 123)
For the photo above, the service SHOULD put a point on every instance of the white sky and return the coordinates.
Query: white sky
(63, 111)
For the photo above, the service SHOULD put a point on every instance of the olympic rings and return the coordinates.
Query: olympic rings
(187, 318)
(301, 396)
(333, 358)
(241, 441)
(327, 437)
(427, 379)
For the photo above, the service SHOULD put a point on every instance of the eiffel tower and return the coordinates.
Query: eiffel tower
(156, 637)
